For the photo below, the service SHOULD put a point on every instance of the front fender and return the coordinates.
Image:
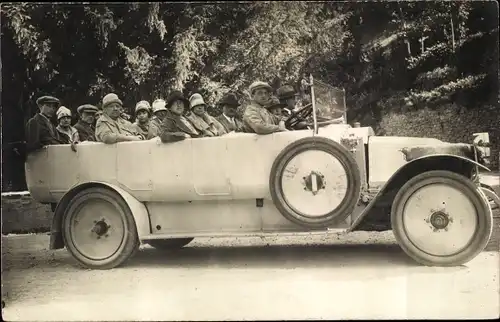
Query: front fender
(138, 209)
(449, 162)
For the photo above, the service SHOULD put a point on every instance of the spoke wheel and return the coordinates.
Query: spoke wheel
(99, 229)
(440, 218)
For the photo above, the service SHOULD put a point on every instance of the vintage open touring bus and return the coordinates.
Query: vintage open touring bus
(108, 198)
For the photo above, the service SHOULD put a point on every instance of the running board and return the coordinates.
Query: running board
(298, 233)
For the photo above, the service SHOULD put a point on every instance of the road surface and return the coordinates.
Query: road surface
(358, 276)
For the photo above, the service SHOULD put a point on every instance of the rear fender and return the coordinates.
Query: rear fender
(453, 163)
(138, 209)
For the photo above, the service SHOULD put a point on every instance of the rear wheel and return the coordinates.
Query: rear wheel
(169, 244)
(99, 229)
(440, 218)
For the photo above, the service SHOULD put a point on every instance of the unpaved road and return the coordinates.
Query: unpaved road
(341, 277)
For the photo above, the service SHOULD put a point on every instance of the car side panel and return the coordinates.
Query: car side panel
(385, 156)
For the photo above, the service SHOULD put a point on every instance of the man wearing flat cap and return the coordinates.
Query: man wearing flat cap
(85, 125)
(276, 107)
(110, 127)
(228, 119)
(257, 118)
(39, 130)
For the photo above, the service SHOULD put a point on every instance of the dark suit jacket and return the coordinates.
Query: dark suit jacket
(41, 132)
(238, 127)
(86, 132)
(173, 129)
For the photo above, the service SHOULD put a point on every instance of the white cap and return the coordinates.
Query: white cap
(142, 105)
(196, 99)
(159, 105)
(62, 112)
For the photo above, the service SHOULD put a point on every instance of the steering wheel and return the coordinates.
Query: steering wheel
(298, 116)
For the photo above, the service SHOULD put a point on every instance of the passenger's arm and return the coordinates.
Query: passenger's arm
(169, 132)
(153, 131)
(103, 133)
(33, 136)
(255, 121)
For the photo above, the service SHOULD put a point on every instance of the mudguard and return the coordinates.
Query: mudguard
(491, 194)
(138, 209)
(356, 221)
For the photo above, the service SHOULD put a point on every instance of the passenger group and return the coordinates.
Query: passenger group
(173, 119)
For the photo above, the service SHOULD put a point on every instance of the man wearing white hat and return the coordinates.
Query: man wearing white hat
(203, 122)
(257, 118)
(110, 127)
(159, 113)
(142, 114)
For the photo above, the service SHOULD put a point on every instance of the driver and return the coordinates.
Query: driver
(287, 96)
(257, 118)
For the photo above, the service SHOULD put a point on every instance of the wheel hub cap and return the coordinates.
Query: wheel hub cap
(314, 182)
(440, 220)
(101, 228)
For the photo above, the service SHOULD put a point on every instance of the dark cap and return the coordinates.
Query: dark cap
(174, 96)
(229, 99)
(275, 103)
(285, 92)
(86, 108)
(48, 99)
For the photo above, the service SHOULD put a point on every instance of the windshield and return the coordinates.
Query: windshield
(329, 101)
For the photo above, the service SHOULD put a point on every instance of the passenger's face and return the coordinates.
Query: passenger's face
(65, 121)
(113, 110)
(161, 114)
(261, 96)
(88, 117)
(177, 107)
(142, 116)
(48, 109)
(230, 110)
(276, 111)
(199, 109)
(290, 102)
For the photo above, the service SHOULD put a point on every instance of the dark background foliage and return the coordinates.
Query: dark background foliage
(408, 68)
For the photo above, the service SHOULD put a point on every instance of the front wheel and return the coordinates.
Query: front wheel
(169, 244)
(440, 218)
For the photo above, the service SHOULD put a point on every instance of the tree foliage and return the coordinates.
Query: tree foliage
(389, 56)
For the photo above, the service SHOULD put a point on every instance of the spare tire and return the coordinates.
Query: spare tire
(315, 182)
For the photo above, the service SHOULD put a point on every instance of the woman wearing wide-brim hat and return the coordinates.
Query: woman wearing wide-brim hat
(175, 127)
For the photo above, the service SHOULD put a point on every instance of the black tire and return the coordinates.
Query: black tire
(169, 244)
(124, 229)
(481, 233)
(347, 161)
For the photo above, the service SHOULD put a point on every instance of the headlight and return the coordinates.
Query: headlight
(482, 144)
